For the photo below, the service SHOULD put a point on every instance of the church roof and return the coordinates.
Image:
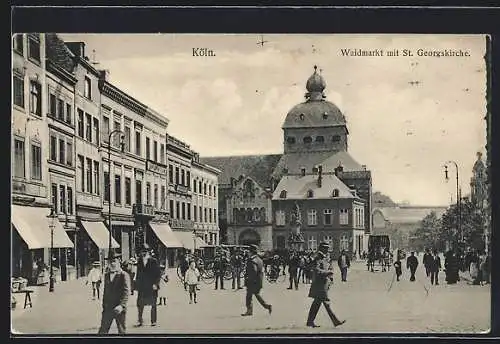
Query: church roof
(258, 167)
(297, 187)
(314, 114)
(329, 160)
(409, 214)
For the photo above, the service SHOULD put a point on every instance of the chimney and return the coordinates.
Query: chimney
(104, 74)
(77, 48)
(363, 167)
(303, 171)
(339, 170)
(320, 175)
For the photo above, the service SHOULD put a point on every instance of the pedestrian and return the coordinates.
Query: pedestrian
(397, 267)
(474, 268)
(132, 270)
(162, 299)
(412, 264)
(219, 270)
(321, 282)
(95, 278)
(115, 296)
(302, 267)
(236, 266)
(344, 263)
(434, 267)
(192, 280)
(427, 262)
(184, 265)
(293, 270)
(485, 268)
(451, 267)
(254, 276)
(147, 283)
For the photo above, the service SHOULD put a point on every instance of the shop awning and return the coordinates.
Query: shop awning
(186, 238)
(99, 234)
(33, 226)
(165, 235)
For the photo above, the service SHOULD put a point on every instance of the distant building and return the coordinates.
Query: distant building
(399, 221)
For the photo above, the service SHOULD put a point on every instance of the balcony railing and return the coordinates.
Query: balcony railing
(143, 209)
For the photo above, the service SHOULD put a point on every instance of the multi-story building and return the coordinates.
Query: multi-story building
(204, 201)
(32, 198)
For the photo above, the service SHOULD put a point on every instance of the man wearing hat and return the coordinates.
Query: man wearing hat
(321, 281)
(254, 276)
(95, 277)
(115, 296)
(411, 264)
(147, 284)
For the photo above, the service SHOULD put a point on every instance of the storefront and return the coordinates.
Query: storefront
(34, 233)
(164, 242)
(189, 242)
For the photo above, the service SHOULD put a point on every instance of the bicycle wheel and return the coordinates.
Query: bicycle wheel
(208, 278)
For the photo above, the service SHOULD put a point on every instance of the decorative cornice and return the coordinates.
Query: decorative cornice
(207, 167)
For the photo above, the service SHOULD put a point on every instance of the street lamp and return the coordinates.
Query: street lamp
(194, 241)
(52, 218)
(122, 147)
(459, 225)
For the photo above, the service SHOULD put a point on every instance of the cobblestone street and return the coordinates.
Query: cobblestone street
(365, 302)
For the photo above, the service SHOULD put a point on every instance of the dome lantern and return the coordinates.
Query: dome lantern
(315, 86)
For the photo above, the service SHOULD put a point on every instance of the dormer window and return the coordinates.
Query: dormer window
(290, 140)
(310, 194)
(283, 194)
(336, 138)
(325, 115)
(301, 116)
(307, 139)
(303, 171)
(320, 139)
(335, 193)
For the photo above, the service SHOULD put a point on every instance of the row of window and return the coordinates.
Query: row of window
(310, 193)
(62, 198)
(88, 172)
(308, 139)
(312, 240)
(182, 211)
(61, 149)
(19, 167)
(359, 218)
(33, 45)
(249, 215)
(35, 98)
(59, 109)
(87, 127)
(312, 217)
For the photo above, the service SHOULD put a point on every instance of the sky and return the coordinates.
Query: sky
(234, 103)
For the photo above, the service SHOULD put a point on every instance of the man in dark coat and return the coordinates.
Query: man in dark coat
(397, 267)
(412, 263)
(254, 275)
(220, 266)
(322, 278)
(344, 263)
(435, 266)
(236, 266)
(147, 284)
(427, 260)
(451, 266)
(184, 266)
(293, 269)
(115, 297)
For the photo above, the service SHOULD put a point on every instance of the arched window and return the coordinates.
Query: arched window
(325, 115)
(249, 215)
(290, 140)
(307, 139)
(256, 215)
(335, 193)
(248, 187)
(241, 215)
(336, 138)
(301, 116)
(283, 194)
(320, 139)
(310, 194)
(263, 214)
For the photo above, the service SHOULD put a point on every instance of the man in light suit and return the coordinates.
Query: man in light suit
(115, 297)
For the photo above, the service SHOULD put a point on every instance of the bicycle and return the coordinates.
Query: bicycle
(274, 275)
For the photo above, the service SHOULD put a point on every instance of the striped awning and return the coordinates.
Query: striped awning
(99, 234)
(165, 234)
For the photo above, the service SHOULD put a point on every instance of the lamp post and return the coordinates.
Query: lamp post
(122, 147)
(52, 218)
(194, 241)
(459, 224)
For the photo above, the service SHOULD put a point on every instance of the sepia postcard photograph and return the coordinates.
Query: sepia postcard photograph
(264, 184)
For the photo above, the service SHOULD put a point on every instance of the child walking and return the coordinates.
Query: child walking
(192, 275)
(163, 286)
(95, 277)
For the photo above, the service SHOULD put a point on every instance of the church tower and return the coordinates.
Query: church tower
(315, 125)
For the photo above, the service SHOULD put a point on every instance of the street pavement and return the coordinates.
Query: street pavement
(367, 301)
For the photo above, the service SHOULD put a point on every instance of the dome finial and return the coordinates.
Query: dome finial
(315, 68)
(315, 86)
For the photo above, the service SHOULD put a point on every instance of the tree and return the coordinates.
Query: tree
(472, 220)
(427, 235)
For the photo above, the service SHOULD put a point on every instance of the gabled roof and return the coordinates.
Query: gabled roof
(329, 160)
(296, 187)
(57, 52)
(258, 167)
(409, 214)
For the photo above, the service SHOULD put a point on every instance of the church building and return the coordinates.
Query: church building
(259, 193)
